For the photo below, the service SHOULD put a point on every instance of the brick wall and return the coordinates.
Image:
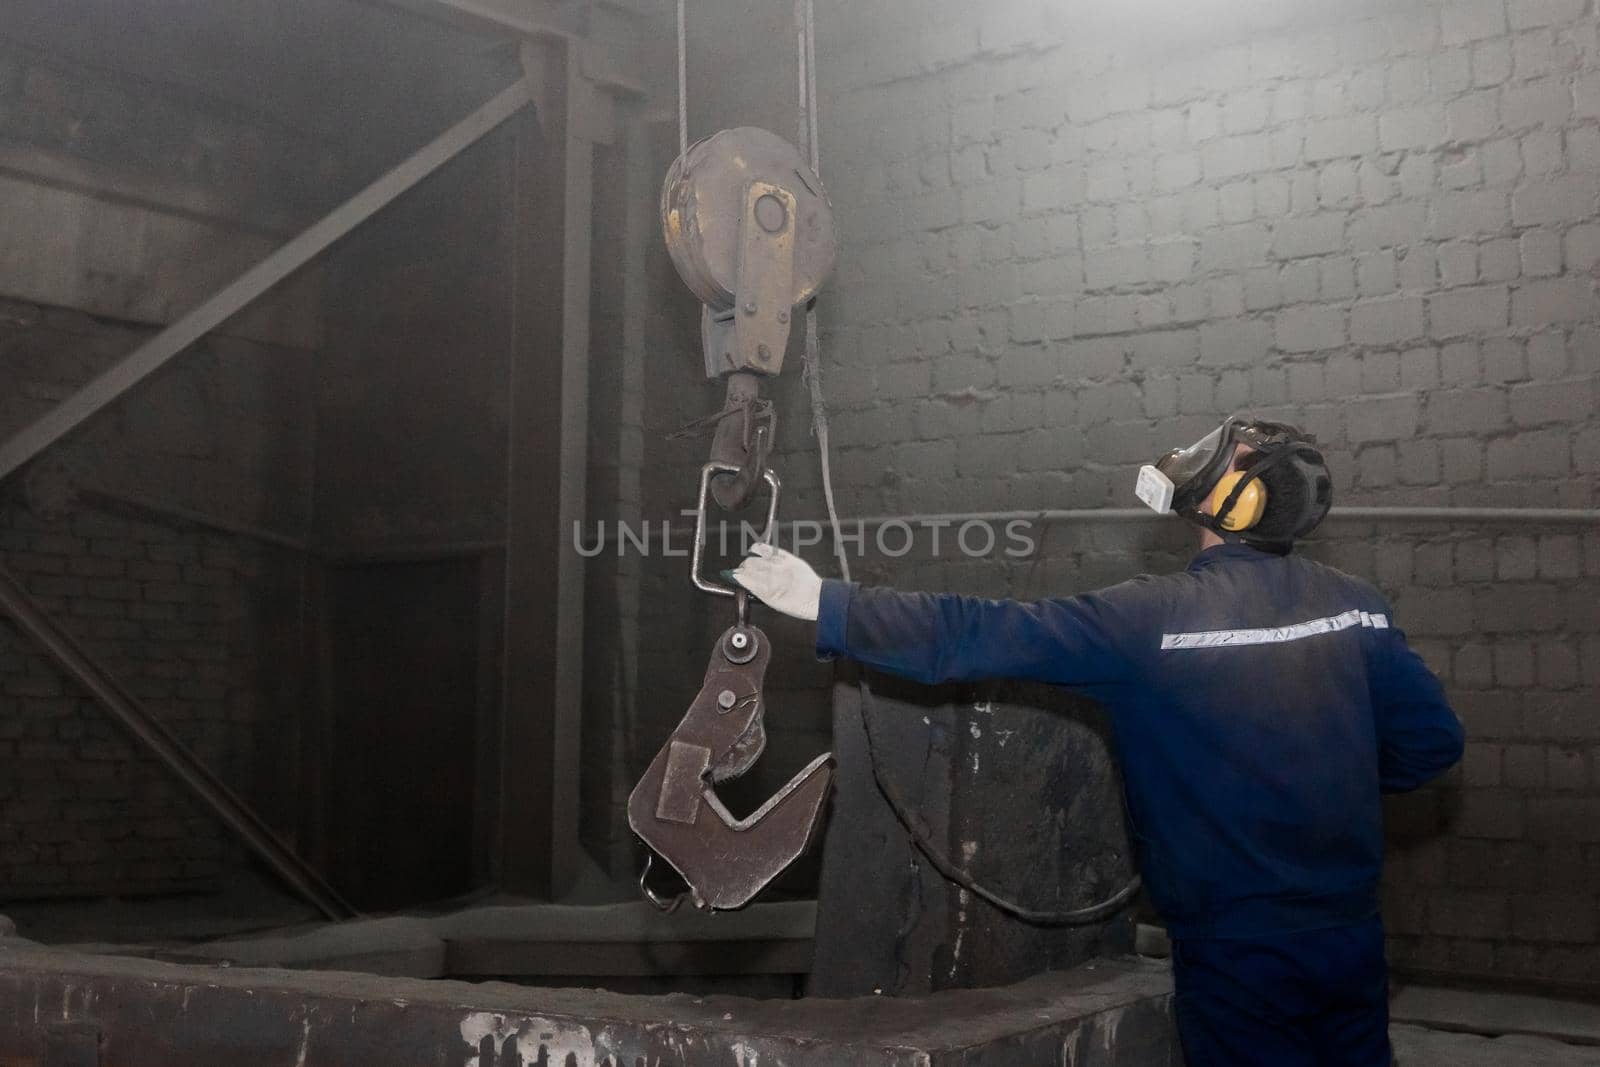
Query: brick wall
(1070, 244)
(83, 810)
(198, 625)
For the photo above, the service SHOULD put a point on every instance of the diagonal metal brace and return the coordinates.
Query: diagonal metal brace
(244, 290)
(674, 809)
(206, 787)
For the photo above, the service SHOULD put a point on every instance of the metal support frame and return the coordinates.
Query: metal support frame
(249, 286)
(149, 357)
(203, 785)
(573, 84)
(572, 498)
(546, 469)
(558, 24)
(489, 16)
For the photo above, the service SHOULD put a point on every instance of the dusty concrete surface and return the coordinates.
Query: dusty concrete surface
(247, 903)
(149, 1013)
(534, 941)
(1497, 1013)
(1416, 1046)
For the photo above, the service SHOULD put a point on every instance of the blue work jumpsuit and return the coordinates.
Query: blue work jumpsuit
(1260, 704)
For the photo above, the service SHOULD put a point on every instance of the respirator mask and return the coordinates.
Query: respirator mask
(1277, 492)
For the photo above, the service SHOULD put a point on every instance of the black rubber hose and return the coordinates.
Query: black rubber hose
(921, 836)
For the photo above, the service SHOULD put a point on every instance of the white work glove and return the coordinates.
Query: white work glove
(782, 581)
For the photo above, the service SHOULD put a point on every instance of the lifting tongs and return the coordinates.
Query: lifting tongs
(675, 810)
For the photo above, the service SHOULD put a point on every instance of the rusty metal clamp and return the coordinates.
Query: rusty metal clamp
(675, 811)
(697, 556)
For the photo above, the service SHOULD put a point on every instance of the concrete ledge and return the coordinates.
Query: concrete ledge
(155, 1014)
(551, 940)
(1497, 1013)
(527, 941)
(1416, 1046)
(395, 947)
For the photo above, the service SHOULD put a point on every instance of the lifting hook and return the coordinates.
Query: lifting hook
(675, 810)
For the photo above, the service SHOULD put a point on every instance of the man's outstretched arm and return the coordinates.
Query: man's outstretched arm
(941, 637)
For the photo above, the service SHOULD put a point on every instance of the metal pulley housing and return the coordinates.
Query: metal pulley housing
(749, 228)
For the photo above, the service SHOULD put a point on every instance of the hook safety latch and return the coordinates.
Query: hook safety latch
(675, 810)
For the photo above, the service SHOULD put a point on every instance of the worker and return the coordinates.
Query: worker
(1260, 704)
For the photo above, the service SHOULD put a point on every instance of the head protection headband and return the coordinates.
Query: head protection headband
(1282, 460)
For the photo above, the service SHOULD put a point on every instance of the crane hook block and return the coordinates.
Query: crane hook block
(750, 229)
(674, 809)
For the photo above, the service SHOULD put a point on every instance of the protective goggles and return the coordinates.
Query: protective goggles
(1184, 477)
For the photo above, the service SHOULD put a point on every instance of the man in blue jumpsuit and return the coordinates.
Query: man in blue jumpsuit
(1260, 703)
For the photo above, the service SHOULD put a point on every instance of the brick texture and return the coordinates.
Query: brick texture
(1382, 230)
(184, 618)
(1066, 247)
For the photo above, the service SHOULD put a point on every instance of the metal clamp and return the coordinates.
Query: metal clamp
(698, 555)
(674, 809)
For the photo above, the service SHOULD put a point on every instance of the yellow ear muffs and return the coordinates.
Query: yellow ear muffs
(1247, 510)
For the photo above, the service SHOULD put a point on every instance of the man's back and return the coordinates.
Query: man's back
(1253, 733)
(1260, 702)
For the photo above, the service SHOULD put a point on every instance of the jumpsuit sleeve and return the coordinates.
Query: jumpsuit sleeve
(1419, 736)
(941, 637)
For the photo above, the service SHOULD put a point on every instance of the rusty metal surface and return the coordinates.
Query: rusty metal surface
(674, 808)
(742, 435)
(703, 204)
(203, 785)
(751, 233)
(148, 1014)
(764, 287)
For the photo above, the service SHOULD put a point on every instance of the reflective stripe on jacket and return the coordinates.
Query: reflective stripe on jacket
(1260, 703)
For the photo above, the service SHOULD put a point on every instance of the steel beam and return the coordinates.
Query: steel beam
(600, 64)
(546, 487)
(250, 285)
(549, 188)
(478, 15)
(156, 739)
(572, 498)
